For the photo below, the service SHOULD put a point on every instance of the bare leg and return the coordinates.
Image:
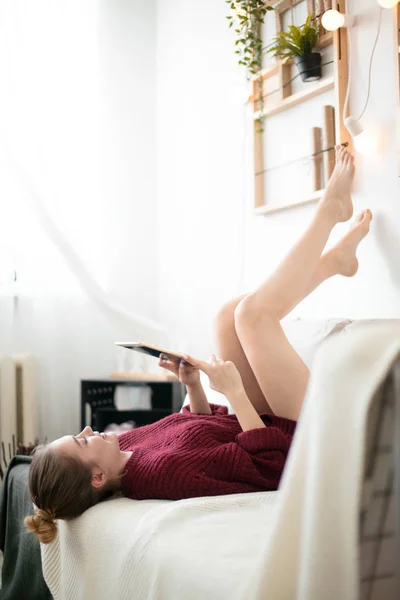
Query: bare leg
(280, 372)
(227, 343)
(339, 260)
(288, 284)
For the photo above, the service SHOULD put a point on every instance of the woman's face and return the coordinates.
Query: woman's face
(99, 449)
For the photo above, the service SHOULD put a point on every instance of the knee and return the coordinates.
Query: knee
(247, 313)
(226, 315)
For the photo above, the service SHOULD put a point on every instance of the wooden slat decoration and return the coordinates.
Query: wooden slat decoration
(329, 140)
(258, 166)
(285, 85)
(333, 117)
(317, 158)
(341, 76)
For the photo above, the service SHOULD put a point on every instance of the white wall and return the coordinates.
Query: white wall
(77, 102)
(201, 166)
(205, 177)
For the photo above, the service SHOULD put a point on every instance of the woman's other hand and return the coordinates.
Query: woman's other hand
(223, 375)
(187, 374)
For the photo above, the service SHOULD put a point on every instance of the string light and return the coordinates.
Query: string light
(387, 3)
(366, 143)
(333, 19)
(363, 142)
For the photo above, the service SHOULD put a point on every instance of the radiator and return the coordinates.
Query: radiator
(18, 403)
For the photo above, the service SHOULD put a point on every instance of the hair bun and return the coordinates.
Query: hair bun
(42, 525)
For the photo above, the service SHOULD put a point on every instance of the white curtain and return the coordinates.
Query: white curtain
(53, 115)
(77, 192)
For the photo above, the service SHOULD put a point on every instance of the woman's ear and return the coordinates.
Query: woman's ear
(98, 477)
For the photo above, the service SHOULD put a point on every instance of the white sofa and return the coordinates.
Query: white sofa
(304, 542)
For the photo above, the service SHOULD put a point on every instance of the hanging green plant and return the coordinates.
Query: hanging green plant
(248, 18)
(298, 43)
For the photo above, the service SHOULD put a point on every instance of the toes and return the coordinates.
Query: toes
(367, 214)
(364, 216)
(360, 217)
(346, 158)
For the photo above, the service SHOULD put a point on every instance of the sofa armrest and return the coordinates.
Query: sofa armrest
(345, 450)
(379, 518)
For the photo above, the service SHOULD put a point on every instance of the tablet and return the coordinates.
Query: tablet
(149, 349)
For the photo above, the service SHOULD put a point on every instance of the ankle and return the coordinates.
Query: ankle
(330, 263)
(325, 219)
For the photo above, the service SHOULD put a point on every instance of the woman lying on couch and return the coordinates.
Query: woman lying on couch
(204, 451)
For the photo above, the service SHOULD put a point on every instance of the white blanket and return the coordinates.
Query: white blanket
(299, 543)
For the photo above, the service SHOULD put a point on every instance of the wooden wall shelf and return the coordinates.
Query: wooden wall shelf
(334, 129)
(264, 210)
(267, 72)
(326, 84)
(325, 40)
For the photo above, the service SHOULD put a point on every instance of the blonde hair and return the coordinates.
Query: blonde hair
(43, 525)
(60, 487)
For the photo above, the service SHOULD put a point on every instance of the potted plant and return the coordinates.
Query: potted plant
(298, 43)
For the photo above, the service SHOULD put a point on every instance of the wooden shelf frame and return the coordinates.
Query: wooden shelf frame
(264, 210)
(328, 83)
(288, 100)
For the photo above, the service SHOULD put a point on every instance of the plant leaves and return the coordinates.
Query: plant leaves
(297, 41)
(248, 20)
(295, 34)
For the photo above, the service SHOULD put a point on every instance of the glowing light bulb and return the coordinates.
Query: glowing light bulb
(332, 20)
(387, 3)
(366, 143)
(353, 126)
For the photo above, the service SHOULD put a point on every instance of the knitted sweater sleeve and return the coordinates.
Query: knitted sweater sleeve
(275, 437)
(216, 410)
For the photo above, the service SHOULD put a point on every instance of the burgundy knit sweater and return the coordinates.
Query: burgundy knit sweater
(188, 455)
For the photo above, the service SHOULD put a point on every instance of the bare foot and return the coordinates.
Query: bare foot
(344, 252)
(336, 203)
